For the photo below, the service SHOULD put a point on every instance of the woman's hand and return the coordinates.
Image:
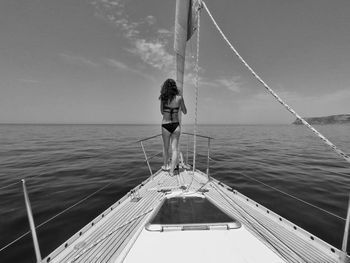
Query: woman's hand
(183, 106)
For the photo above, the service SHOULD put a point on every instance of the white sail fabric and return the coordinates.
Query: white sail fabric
(185, 25)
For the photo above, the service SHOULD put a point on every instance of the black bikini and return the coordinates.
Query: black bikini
(171, 126)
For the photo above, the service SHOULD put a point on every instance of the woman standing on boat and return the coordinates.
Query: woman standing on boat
(171, 103)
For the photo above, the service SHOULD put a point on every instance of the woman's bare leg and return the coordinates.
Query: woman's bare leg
(166, 142)
(174, 148)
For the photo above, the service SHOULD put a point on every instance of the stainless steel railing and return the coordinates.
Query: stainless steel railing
(188, 151)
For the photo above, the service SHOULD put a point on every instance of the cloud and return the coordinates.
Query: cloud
(151, 48)
(121, 66)
(110, 62)
(150, 20)
(79, 60)
(113, 11)
(153, 53)
(147, 41)
(109, 3)
(230, 83)
(165, 33)
(116, 64)
(129, 30)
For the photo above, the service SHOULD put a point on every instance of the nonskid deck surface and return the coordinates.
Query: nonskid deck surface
(110, 236)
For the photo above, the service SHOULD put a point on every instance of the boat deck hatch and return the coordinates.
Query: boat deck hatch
(190, 213)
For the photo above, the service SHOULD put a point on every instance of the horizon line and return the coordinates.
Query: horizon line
(121, 123)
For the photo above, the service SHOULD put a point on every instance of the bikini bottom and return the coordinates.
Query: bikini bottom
(170, 127)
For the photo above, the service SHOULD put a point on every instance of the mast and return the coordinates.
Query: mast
(185, 25)
(186, 18)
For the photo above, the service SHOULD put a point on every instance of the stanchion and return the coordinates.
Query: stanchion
(343, 257)
(31, 223)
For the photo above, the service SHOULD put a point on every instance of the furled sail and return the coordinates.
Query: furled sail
(185, 24)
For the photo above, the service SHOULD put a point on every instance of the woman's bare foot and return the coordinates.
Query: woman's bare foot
(165, 167)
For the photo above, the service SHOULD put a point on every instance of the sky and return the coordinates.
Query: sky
(103, 61)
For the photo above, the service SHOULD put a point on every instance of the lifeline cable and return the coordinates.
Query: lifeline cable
(287, 194)
(58, 214)
(9, 185)
(323, 138)
(128, 143)
(296, 198)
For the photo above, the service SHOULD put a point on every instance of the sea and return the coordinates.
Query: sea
(74, 172)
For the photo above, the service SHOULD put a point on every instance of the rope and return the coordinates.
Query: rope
(60, 213)
(196, 69)
(323, 138)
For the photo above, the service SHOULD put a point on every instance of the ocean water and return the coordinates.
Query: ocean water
(63, 164)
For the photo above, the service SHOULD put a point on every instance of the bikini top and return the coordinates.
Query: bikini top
(171, 111)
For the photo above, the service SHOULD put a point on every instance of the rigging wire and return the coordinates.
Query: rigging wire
(323, 138)
(196, 69)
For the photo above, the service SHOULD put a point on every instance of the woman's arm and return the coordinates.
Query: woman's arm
(183, 106)
(161, 107)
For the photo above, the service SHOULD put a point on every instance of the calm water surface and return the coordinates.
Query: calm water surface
(65, 163)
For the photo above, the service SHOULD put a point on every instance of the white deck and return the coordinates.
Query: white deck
(119, 235)
(200, 246)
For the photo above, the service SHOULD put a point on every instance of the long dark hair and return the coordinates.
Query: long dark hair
(168, 91)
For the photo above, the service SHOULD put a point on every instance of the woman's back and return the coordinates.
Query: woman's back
(170, 110)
